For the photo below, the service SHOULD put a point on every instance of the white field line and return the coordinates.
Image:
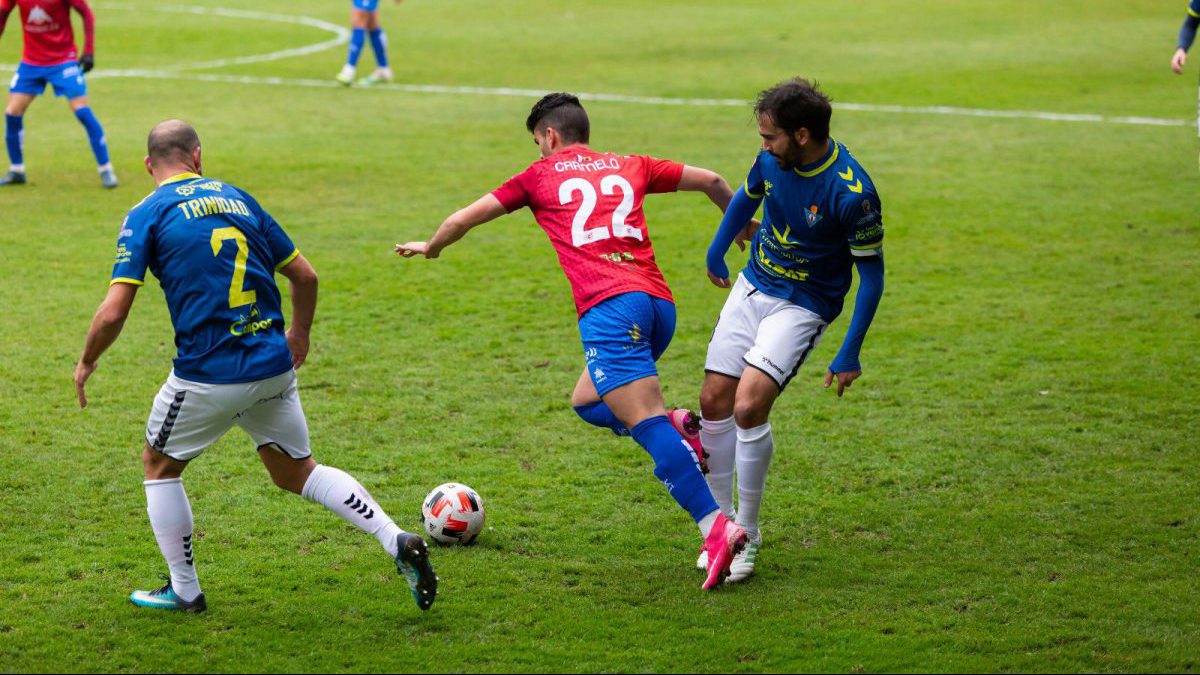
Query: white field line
(176, 72)
(659, 100)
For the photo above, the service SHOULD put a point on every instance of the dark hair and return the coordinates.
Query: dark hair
(172, 141)
(795, 104)
(565, 113)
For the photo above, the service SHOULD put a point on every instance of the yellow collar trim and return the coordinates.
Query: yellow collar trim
(828, 163)
(178, 177)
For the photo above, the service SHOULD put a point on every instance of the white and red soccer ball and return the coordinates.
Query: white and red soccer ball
(453, 514)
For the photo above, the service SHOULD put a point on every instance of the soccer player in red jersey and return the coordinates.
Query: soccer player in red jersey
(50, 58)
(590, 205)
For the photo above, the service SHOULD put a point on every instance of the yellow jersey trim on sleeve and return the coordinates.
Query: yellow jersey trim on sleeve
(746, 189)
(127, 280)
(288, 260)
(1192, 12)
(178, 177)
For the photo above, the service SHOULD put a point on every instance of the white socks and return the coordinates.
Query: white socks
(719, 438)
(171, 520)
(754, 450)
(337, 491)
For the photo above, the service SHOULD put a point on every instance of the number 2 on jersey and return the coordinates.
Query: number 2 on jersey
(237, 297)
(581, 235)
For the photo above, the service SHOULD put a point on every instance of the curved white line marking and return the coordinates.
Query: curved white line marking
(341, 33)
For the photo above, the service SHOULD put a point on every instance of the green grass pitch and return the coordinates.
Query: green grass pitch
(1013, 485)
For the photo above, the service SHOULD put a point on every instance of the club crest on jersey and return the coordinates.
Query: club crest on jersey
(189, 190)
(812, 216)
(38, 16)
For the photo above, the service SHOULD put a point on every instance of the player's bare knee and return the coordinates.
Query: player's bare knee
(286, 473)
(750, 411)
(157, 466)
(715, 404)
(717, 396)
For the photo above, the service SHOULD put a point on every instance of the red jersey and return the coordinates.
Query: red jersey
(590, 204)
(49, 38)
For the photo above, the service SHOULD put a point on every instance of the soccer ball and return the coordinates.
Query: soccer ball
(453, 514)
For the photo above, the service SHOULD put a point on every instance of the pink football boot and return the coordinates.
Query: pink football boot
(688, 425)
(724, 541)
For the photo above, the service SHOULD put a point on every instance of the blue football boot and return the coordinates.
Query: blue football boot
(165, 598)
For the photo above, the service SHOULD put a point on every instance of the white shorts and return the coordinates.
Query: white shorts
(187, 416)
(763, 332)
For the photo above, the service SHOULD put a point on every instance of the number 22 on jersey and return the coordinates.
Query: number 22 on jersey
(237, 296)
(581, 234)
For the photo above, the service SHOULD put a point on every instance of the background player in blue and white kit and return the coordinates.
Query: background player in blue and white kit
(364, 23)
(215, 252)
(821, 217)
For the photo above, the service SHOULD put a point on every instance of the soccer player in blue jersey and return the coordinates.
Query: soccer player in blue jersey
(215, 252)
(364, 23)
(821, 218)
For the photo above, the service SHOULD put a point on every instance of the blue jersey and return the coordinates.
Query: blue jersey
(816, 219)
(214, 251)
(1194, 8)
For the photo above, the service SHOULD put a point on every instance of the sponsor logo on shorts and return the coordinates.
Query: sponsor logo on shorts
(772, 364)
(599, 375)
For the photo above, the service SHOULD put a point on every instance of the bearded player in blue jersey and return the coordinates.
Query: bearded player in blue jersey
(215, 252)
(821, 218)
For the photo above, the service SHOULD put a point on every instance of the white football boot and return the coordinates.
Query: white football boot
(346, 75)
(380, 76)
(742, 566)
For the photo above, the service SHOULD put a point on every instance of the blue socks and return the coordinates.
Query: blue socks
(675, 465)
(358, 38)
(379, 44)
(95, 134)
(598, 414)
(14, 134)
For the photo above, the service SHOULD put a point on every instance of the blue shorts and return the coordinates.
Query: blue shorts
(366, 5)
(623, 337)
(67, 79)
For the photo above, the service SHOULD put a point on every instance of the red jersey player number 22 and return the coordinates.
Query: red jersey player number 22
(590, 205)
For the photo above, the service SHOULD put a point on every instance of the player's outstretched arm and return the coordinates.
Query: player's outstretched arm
(303, 280)
(846, 367)
(484, 209)
(106, 326)
(695, 179)
(737, 225)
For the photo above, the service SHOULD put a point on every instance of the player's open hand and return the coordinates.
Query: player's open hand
(83, 371)
(718, 281)
(746, 235)
(297, 341)
(1178, 61)
(844, 380)
(413, 248)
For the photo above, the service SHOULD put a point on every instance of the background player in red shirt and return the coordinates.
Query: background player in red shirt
(50, 58)
(590, 205)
